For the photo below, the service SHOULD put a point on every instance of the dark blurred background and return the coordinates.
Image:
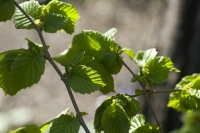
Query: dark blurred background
(170, 26)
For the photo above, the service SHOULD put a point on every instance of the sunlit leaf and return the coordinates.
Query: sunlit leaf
(142, 57)
(68, 13)
(188, 98)
(110, 33)
(158, 69)
(33, 9)
(129, 52)
(28, 129)
(138, 125)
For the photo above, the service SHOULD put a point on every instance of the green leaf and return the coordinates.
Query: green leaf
(188, 98)
(33, 9)
(70, 57)
(142, 57)
(46, 126)
(136, 122)
(110, 33)
(65, 124)
(34, 47)
(99, 113)
(7, 10)
(53, 22)
(191, 123)
(66, 10)
(138, 125)
(129, 105)
(105, 76)
(101, 47)
(115, 120)
(158, 69)
(129, 52)
(147, 129)
(84, 79)
(28, 129)
(20, 69)
(7, 60)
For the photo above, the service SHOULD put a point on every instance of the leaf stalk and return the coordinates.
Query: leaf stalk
(146, 96)
(155, 92)
(48, 57)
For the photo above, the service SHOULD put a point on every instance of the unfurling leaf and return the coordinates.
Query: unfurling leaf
(129, 52)
(110, 33)
(142, 57)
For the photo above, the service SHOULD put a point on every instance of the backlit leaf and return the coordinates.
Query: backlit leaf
(110, 33)
(129, 52)
(33, 9)
(28, 129)
(142, 57)
(138, 125)
(65, 10)
(188, 98)
(105, 76)
(158, 69)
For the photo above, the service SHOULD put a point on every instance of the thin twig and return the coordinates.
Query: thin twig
(146, 96)
(48, 57)
(155, 92)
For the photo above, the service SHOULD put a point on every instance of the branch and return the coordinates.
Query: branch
(146, 96)
(48, 57)
(155, 92)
